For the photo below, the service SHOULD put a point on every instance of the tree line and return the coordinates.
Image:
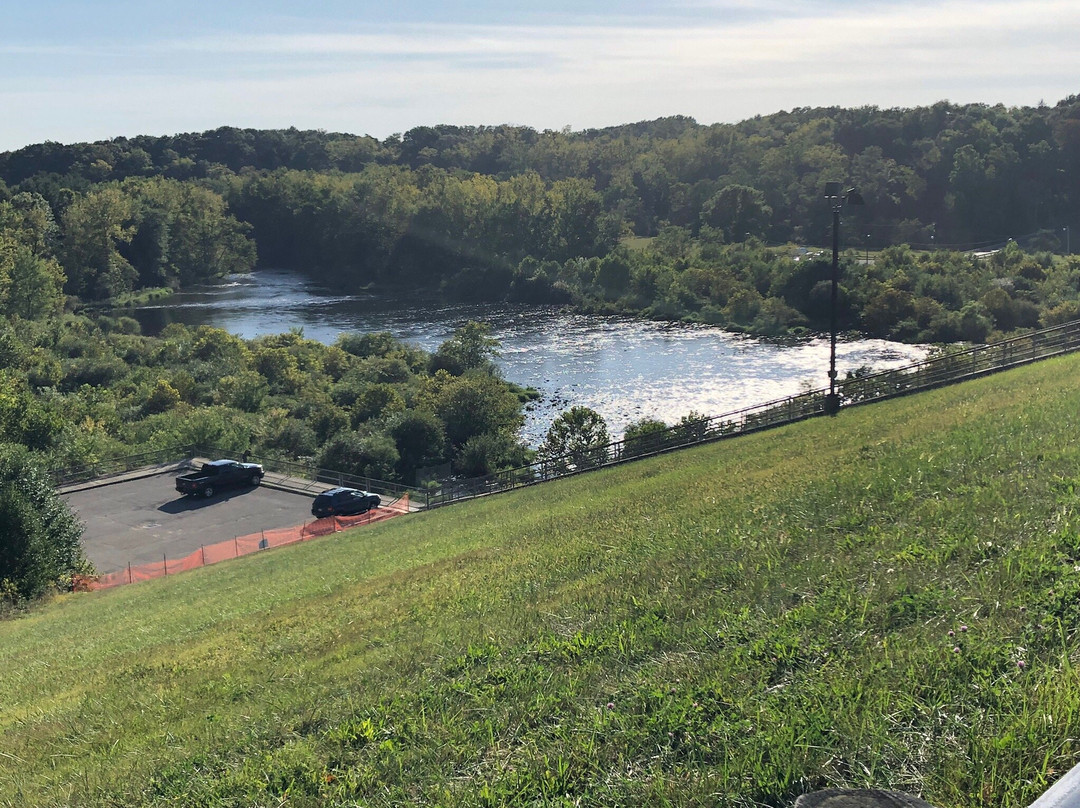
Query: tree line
(665, 218)
(959, 172)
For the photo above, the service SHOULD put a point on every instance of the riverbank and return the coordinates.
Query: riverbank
(129, 300)
(625, 368)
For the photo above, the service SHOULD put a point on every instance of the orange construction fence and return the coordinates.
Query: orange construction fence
(243, 545)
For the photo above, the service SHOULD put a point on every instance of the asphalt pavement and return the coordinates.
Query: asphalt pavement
(135, 519)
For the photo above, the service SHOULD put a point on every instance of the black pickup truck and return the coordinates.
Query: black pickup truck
(219, 474)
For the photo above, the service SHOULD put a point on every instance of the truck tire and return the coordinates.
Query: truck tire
(208, 491)
(256, 478)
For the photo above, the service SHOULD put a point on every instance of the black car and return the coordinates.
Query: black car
(217, 475)
(343, 502)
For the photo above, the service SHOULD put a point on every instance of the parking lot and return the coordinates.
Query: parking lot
(143, 520)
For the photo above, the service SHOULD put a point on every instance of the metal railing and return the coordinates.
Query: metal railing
(310, 476)
(83, 472)
(856, 389)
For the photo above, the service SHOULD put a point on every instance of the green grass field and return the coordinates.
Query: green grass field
(890, 598)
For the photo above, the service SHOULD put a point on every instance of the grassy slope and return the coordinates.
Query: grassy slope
(730, 625)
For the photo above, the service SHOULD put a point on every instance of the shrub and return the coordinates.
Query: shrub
(647, 435)
(39, 536)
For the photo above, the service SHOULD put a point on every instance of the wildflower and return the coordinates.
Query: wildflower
(1021, 664)
(611, 705)
(956, 649)
(952, 633)
(963, 628)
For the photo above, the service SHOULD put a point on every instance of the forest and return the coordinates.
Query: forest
(667, 219)
(964, 236)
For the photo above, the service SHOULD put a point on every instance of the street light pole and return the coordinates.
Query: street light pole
(832, 401)
(838, 198)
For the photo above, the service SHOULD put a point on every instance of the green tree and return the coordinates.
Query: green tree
(40, 539)
(246, 390)
(420, 438)
(376, 401)
(975, 322)
(489, 453)
(739, 211)
(644, 436)
(96, 225)
(576, 440)
(613, 275)
(476, 405)
(35, 284)
(373, 456)
(470, 348)
(162, 398)
(28, 219)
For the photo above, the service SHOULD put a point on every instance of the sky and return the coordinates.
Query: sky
(84, 70)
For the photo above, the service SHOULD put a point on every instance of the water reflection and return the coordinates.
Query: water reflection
(625, 369)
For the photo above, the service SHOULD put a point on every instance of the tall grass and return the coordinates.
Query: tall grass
(889, 598)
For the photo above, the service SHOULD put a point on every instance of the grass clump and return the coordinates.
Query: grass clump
(885, 599)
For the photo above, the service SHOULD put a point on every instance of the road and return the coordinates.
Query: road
(143, 520)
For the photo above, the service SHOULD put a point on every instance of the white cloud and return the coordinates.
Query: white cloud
(393, 77)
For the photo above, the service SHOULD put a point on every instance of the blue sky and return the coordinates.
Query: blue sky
(73, 71)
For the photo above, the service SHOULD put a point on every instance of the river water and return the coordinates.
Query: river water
(623, 368)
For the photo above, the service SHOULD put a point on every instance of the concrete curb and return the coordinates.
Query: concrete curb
(123, 477)
(279, 482)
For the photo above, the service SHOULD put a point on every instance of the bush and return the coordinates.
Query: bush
(92, 371)
(647, 435)
(39, 536)
(364, 456)
(295, 438)
(162, 398)
(486, 454)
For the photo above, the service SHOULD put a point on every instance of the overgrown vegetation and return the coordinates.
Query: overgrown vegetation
(887, 598)
(81, 390)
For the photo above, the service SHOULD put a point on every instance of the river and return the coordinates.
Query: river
(625, 369)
